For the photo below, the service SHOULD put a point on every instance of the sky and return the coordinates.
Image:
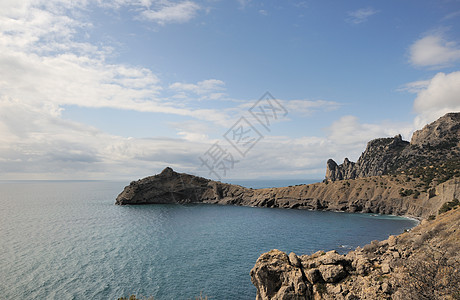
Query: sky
(235, 89)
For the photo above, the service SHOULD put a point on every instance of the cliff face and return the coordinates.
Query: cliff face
(380, 194)
(166, 187)
(434, 144)
(421, 264)
(445, 129)
(418, 168)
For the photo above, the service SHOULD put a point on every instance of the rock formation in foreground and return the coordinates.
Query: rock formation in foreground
(421, 264)
(436, 143)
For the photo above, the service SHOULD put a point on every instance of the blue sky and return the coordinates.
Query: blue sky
(120, 89)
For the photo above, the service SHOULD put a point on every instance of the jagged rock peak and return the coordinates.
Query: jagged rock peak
(445, 129)
(168, 171)
(437, 142)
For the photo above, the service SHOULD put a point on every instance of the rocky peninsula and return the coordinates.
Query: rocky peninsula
(419, 178)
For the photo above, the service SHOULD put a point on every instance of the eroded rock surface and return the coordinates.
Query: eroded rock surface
(436, 143)
(277, 277)
(379, 194)
(421, 264)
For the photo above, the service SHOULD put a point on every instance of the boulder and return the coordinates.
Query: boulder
(332, 273)
(276, 278)
(295, 261)
(331, 258)
(313, 276)
(386, 268)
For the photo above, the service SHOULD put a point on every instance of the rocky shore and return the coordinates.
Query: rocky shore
(421, 264)
(379, 194)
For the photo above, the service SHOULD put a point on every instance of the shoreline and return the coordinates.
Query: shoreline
(378, 194)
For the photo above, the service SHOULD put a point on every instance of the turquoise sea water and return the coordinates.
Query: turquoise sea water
(67, 240)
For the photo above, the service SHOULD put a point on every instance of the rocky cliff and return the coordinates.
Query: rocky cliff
(424, 175)
(436, 143)
(387, 194)
(421, 264)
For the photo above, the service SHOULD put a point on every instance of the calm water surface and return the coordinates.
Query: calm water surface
(67, 240)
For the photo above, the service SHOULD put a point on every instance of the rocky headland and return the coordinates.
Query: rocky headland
(420, 179)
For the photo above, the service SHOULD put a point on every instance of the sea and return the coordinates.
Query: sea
(68, 240)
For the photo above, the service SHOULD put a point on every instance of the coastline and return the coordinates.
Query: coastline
(377, 194)
(418, 180)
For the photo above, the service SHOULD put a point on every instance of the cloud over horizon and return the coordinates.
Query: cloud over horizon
(49, 63)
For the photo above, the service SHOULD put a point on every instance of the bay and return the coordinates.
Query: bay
(67, 240)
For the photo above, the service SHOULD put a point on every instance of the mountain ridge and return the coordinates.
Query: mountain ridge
(436, 142)
(417, 192)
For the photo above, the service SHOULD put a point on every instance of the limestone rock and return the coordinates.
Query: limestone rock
(331, 258)
(275, 278)
(386, 268)
(295, 261)
(332, 273)
(363, 275)
(444, 129)
(313, 276)
(435, 143)
(362, 266)
(386, 288)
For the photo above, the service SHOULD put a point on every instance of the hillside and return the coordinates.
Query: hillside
(432, 177)
(396, 194)
(437, 144)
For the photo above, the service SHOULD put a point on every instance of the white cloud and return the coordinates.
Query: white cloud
(452, 15)
(170, 12)
(263, 12)
(244, 3)
(43, 67)
(193, 130)
(440, 96)
(47, 147)
(415, 86)
(307, 107)
(38, 143)
(360, 15)
(211, 89)
(434, 51)
(349, 136)
(435, 97)
(41, 62)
